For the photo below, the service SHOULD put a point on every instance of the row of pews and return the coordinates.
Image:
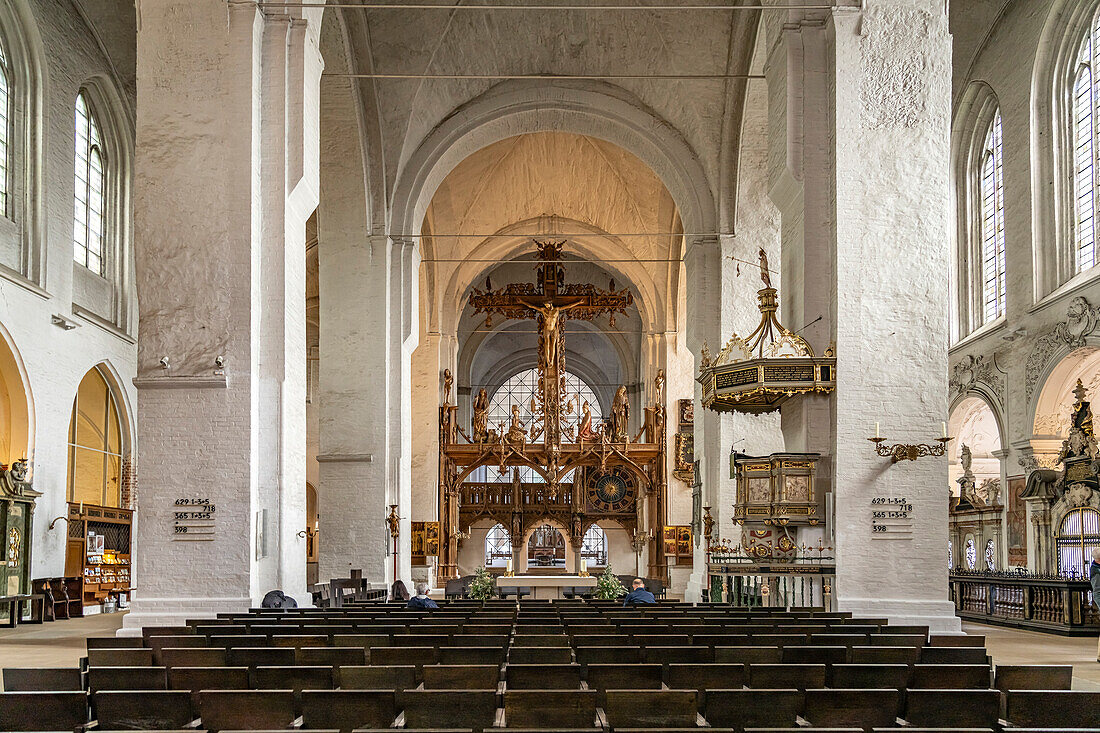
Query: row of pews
(542, 666)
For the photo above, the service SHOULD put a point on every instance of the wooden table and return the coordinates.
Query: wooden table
(546, 586)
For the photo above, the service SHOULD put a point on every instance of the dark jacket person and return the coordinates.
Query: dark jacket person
(421, 600)
(638, 594)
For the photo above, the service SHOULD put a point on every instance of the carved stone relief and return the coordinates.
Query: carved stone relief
(974, 370)
(1081, 321)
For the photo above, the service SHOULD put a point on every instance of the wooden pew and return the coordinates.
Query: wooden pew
(330, 656)
(246, 709)
(785, 676)
(651, 708)
(869, 676)
(1017, 677)
(845, 708)
(1052, 708)
(460, 676)
(256, 656)
(120, 657)
(950, 676)
(472, 655)
(377, 677)
(43, 711)
(885, 654)
(542, 676)
(473, 709)
(143, 709)
(743, 708)
(540, 655)
(126, 678)
(419, 656)
(550, 709)
(954, 708)
(815, 655)
(65, 679)
(604, 677)
(953, 655)
(193, 657)
(347, 710)
(748, 655)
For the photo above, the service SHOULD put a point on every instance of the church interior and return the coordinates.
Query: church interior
(565, 365)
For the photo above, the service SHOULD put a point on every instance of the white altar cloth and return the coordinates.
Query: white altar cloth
(546, 586)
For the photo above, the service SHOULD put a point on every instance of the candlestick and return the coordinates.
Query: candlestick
(876, 430)
(944, 426)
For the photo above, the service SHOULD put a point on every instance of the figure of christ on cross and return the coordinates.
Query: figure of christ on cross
(551, 326)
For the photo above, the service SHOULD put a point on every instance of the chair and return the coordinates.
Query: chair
(65, 679)
(245, 709)
(143, 709)
(651, 708)
(346, 710)
(42, 711)
(550, 709)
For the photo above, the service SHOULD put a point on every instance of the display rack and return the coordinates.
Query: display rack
(99, 551)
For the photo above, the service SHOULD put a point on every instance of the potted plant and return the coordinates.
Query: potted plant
(608, 586)
(482, 586)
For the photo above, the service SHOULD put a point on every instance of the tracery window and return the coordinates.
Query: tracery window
(1085, 115)
(594, 546)
(990, 555)
(498, 546)
(521, 389)
(1078, 534)
(992, 222)
(89, 208)
(95, 444)
(971, 555)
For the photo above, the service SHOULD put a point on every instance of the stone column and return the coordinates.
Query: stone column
(892, 108)
(225, 177)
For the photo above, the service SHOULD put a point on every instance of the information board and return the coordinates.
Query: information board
(193, 520)
(891, 518)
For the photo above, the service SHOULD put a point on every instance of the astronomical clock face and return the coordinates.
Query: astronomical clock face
(612, 491)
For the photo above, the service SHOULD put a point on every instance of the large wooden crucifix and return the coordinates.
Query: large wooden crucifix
(550, 301)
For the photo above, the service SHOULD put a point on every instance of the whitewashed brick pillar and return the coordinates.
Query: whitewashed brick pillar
(892, 110)
(225, 178)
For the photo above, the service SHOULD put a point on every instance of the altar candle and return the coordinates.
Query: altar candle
(876, 430)
(508, 570)
(81, 507)
(584, 565)
(944, 426)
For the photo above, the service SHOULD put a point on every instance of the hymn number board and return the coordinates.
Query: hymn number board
(193, 520)
(891, 518)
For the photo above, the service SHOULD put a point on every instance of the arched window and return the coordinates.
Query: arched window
(990, 555)
(950, 556)
(5, 134)
(89, 211)
(95, 444)
(992, 222)
(1078, 535)
(594, 546)
(498, 546)
(1085, 112)
(520, 390)
(546, 547)
(971, 554)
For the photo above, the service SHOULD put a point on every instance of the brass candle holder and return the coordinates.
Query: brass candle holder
(909, 452)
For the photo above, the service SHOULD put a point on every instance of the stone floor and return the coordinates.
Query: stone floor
(61, 644)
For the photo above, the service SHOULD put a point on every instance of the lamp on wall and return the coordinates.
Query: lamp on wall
(907, 451)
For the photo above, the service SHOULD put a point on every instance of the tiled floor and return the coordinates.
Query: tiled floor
(61, 644)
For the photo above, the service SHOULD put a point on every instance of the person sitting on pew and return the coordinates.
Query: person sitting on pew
(421, 600)
(638, 594)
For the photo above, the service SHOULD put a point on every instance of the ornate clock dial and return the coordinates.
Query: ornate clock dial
(611, 492)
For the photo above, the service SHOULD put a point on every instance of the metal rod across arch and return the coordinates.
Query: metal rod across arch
(573, 7)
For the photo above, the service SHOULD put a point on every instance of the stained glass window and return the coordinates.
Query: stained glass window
(1085, 114)
(971, 555)
(992, 222)
(990, 556)
(5, 133)
(88, 218)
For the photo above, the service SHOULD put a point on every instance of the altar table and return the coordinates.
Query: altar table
(546, 586)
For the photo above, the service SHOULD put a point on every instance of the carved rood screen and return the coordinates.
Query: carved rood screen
(586, 469)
